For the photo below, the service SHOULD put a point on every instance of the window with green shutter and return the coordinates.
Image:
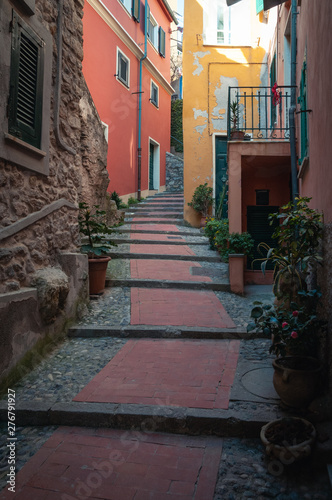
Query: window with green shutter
(162, 42)
(135, 9)
(26, 83)
(302, 99)
(154, 94)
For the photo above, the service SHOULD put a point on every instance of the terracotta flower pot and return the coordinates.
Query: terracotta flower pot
(296, 379)
(288, 439)
(97, 274)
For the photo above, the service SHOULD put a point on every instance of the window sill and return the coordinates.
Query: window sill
(123, 83)
(25, 145)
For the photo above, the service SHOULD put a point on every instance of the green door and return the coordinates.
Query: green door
(151, 166)
(258, 226)
(221, 177)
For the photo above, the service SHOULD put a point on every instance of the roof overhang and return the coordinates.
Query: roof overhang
(170, 11)
(268, 4)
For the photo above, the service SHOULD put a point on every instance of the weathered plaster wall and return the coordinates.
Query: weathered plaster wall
(38, 213)
(208, 72)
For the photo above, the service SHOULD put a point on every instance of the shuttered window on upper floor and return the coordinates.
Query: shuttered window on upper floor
(162, 42)
(26, 83)
(136, 7)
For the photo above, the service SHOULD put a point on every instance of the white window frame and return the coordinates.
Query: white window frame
(154, 34)
(153, 84)
(126, 4)
(124, 83)
(236, 23)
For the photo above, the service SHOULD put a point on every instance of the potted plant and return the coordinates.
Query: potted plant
(202, 200)
(92, 225)
(288, 439)
(239, 246)
(293, 321)
(297, 247)
(236, 134)
(294, 332)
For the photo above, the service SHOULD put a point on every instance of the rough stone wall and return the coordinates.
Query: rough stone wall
(82, 176)
(174, 173)
(48, 245)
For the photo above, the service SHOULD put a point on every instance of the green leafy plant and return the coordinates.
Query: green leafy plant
(294, 330)
(115, 197)
(93, 226)
(240, 243)
(214, 230)
(202, 199)
(176, 125)
(297, 249)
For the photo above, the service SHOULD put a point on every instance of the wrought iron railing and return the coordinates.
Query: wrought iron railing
(260, 112)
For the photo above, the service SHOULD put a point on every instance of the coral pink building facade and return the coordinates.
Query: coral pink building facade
(114, 43)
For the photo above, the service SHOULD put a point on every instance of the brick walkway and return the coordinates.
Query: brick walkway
(192, 374)
(108, 464)
(178, 307)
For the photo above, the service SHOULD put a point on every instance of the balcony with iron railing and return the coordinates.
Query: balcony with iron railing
(261, 113)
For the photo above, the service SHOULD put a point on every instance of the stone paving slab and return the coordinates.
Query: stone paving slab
(157, 237)
(161, 249)
(116, 465)
(178, 307)
(191, 374)
(166, 270)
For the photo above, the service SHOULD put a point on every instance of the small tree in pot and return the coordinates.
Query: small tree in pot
(202, 200)
(92, 225)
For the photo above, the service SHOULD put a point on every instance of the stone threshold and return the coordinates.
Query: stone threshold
(176, 420)
(182, 285)
(157, 331)
(152, 215)
(191, 258)
(176, 222)
(150, 231)
(155, 242)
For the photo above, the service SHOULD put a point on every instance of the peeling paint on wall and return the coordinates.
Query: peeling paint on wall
(200, 129)
(219, 112)
(219, 123)
(197, 56)
(199, 112)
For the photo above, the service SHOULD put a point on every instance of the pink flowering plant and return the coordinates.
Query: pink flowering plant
(294, 329)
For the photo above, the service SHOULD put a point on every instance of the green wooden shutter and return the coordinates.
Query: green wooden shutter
(259, 6)
(135, 9)
(26, 84)
(162, 41)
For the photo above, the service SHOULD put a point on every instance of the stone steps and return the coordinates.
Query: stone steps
(182, 285)
(193, 258)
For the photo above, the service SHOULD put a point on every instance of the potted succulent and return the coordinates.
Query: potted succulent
(236, 133)
(202, 200)
(92, 225)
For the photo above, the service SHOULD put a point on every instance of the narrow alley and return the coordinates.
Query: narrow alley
(157, 392)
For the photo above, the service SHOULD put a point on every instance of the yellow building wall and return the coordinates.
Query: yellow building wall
(208, 71)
